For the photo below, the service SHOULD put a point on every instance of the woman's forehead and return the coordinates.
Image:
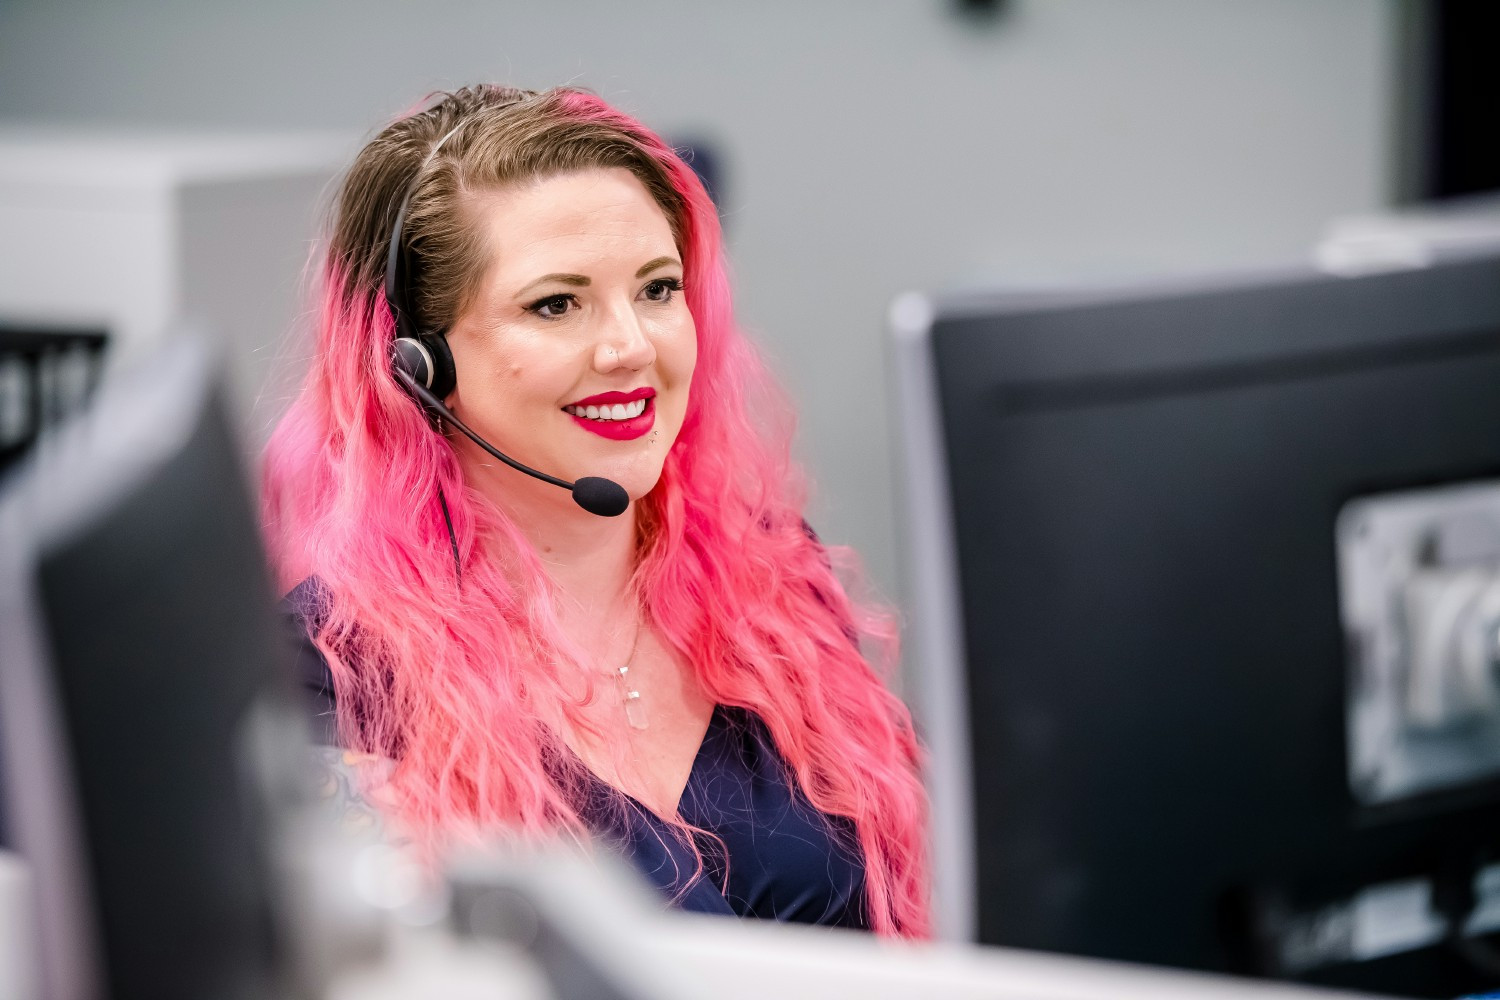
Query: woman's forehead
(598, 218)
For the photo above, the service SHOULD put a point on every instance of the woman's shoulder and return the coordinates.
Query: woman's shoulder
(307, 603)
(304, 611)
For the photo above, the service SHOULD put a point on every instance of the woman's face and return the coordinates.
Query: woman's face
(577, 350)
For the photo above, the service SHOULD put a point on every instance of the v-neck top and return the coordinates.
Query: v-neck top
(765, 850)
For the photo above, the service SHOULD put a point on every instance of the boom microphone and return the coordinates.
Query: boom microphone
(603, 497)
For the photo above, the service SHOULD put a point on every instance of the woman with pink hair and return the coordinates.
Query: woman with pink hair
(683, 679)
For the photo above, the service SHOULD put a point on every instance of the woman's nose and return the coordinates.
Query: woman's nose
(623, 343)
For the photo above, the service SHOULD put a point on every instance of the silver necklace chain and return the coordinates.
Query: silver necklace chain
(635, 711)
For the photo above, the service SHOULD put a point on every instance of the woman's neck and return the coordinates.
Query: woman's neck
(591, 561)
(589, 558)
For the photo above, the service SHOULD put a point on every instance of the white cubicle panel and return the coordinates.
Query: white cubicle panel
(587, 929)
(791, 963)
(135, 233)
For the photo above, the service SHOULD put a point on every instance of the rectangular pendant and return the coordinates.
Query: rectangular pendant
(635, 712)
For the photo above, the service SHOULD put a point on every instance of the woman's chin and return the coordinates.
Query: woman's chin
(637, 483)
(635, 465)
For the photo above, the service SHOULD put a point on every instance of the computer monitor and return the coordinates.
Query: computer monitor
(45, 374)
(137, 643)
(1200, 585)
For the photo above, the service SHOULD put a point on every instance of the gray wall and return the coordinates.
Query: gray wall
(872, 146)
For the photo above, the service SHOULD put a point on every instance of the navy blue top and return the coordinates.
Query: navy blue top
(766, 850)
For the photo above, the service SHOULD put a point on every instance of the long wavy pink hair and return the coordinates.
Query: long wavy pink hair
(460, 684)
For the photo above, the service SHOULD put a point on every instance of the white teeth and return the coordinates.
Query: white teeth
(619, 411)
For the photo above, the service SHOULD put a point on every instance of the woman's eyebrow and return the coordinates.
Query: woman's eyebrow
(577, 280)
(653, 265)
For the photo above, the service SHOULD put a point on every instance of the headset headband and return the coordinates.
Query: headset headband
(395, 272)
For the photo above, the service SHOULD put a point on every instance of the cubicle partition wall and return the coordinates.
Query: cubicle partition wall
(139, 232)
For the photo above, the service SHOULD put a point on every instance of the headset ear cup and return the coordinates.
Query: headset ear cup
(444, 374)
(428, 361)
(410, 356)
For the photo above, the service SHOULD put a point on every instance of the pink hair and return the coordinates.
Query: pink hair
(454, 682)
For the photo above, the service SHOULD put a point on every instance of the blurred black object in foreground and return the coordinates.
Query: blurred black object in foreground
(136, 641)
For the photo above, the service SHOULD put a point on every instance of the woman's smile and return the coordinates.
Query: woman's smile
(619, 416)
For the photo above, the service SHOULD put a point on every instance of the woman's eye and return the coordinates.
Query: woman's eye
(662, 289)
(552, 306)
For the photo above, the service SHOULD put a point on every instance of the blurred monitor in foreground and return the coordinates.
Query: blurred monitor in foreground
(136, 638)
(1206, 583)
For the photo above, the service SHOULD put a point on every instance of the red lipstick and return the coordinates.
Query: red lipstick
(644, 392)
(617, 430)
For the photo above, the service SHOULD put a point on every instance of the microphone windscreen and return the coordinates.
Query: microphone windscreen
(604, 497)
